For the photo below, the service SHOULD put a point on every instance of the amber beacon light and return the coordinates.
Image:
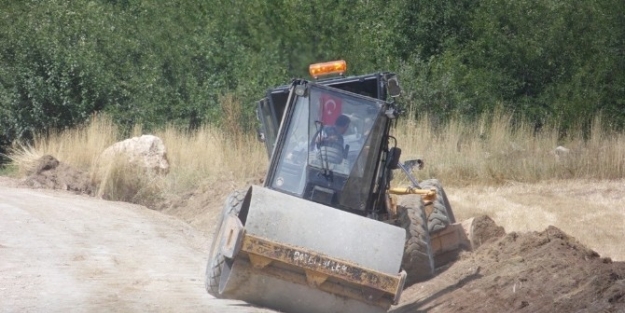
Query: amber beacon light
(326, 68)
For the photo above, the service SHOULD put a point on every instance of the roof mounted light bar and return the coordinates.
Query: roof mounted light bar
(327, 68)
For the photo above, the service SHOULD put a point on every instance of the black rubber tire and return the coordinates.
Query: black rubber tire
(418, 261)
(216, 260)
(442, 214)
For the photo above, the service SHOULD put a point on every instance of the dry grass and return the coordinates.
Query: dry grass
(209, 154)
(488, 152)
(79, 147)
(123, 181)
(214, 153)
(494, 152)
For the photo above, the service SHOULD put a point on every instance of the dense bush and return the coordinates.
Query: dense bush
(157, 62)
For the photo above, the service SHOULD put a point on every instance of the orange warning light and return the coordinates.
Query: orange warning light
(333, 67)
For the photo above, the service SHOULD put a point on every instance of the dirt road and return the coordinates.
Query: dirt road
(67, 253)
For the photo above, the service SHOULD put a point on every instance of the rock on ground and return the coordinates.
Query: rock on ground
(147, 151)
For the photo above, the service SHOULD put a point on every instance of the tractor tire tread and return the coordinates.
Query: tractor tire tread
(216, 260)
(442, 213)
(418, 261)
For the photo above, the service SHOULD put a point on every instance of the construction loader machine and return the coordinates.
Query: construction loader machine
(327, 232)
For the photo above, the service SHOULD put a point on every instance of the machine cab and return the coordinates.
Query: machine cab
(328, 146)
(326, 138)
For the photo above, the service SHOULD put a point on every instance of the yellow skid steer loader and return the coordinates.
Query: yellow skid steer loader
(326, 232)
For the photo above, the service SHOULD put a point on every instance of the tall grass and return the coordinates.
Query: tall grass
(224, 153)
(210, 153)
(79, 147)
(491, 151)
(216, 153)
(494, 151)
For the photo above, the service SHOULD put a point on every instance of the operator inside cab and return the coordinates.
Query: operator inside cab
(333, 135)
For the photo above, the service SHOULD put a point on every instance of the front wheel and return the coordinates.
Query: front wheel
(418, 261)
(442, 214)
(216, 261)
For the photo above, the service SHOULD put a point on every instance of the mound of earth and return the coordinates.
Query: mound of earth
(485, 230)
(49, 173)
(545, 271)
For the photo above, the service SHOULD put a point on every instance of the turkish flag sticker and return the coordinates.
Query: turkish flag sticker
(331, 109)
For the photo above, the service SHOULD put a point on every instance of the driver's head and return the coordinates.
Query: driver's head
(342, 123)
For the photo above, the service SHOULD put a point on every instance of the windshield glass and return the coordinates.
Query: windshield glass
(328, 144)
(338, 129)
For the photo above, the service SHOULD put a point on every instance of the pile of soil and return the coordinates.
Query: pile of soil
(49, 173)
(485, 230)
(545, 271)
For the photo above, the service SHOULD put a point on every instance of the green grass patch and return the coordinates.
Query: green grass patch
(10, 170)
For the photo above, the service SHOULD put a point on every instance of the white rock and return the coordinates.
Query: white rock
(147, 151)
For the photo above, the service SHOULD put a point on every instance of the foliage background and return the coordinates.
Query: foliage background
(172, 62)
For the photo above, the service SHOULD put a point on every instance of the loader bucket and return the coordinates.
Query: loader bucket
(294, 255)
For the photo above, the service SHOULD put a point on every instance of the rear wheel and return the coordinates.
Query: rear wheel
(442, 214)
(216, 261)
(418, 261)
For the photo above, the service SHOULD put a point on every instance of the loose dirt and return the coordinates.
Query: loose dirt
(50, 173)
(129, 258)
(545, 271)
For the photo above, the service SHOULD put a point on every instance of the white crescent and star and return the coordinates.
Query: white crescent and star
(327, 103)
